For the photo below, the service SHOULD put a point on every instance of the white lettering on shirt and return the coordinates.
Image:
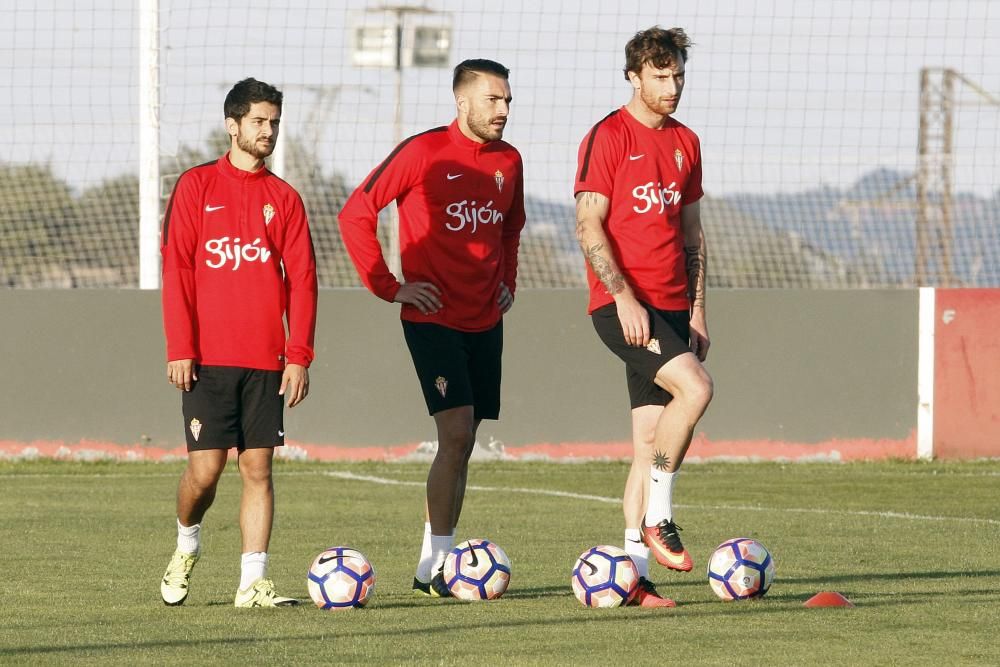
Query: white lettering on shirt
(465, 213)
(649, 194)
(225, 251)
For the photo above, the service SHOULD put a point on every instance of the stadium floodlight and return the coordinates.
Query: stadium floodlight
(399, 37)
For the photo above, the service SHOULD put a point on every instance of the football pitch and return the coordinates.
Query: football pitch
(915, 546)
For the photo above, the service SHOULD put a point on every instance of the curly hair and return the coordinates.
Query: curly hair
(656, 46)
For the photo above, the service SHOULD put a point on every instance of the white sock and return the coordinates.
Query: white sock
(188, 538)
(661, 496)
(253, 566)
(423, 573)
(637, 549)
(440, 546)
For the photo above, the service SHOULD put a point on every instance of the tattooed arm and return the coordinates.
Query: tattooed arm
(696, 264)
(591, 212)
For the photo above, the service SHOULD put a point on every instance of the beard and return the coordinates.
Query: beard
(658, 105)
(483, 128)
(260, 149)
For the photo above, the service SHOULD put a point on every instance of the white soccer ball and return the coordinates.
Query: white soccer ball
(477, 570)
(604, 576)
(340, 578)
(740, 568)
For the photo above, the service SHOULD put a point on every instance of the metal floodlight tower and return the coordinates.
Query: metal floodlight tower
(399, 37)
(935, 147)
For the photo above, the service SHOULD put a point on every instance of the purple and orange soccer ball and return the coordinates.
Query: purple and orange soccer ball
(604, 576)
(740, 568)
(477, 570)
(340, 578)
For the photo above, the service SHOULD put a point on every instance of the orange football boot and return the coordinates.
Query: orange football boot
(646, 596)
(666, 545)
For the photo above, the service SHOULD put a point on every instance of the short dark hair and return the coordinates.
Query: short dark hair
(656, 46)
(248, 92)
(467, 70)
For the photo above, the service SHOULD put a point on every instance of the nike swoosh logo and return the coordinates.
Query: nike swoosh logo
(676, 559)
(281, 434)
(452, 177)
(593, 568)
(474, 561)
(636, 157)
(209, 209)
(327, 559)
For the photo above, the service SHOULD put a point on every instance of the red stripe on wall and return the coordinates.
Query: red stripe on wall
(701, 450)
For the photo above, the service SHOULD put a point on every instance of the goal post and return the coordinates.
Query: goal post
(149, 144)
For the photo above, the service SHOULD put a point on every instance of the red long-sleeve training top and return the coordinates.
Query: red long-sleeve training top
(237, 259)
(461, 211)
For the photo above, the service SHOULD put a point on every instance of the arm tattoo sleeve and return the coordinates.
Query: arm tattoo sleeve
(612, 280)
(585, 200)
(695, 264)
(604, 269)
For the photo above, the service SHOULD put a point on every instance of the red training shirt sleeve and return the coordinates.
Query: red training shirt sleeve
(693, 191)
(597, 162)
(299, 260)
(511, 235)
(359, 218)
(179, 241)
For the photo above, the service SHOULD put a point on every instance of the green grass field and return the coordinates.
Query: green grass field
(914, 545)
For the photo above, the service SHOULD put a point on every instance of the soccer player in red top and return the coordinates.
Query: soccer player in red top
(459, 190)
(638, 186)
(237, 263)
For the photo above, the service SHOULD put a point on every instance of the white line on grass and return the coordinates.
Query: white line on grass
(551, 492)
(472, 487)
(617, 501)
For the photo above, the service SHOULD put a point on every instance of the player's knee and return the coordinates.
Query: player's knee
(202, 480)
(696, 387)
(702, 391)
(455, 446)
(456, 443)
(644, 438)
(458, 436)
(256, 475)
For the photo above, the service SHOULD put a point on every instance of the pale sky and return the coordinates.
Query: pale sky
(786, 95)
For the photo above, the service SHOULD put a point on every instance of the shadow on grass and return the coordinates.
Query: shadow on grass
(398, 601)
(772, 604)
(892, 576)
(540, 592)
(612, 616)
(671, 583)
(384, 632)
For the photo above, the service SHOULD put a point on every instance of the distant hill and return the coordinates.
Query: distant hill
(871, 227)
(861, 236)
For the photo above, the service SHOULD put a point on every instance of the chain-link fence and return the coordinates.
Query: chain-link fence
(845, 144)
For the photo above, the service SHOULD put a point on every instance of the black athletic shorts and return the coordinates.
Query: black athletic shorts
(457, 368)
(233, 407)
(669, 335)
